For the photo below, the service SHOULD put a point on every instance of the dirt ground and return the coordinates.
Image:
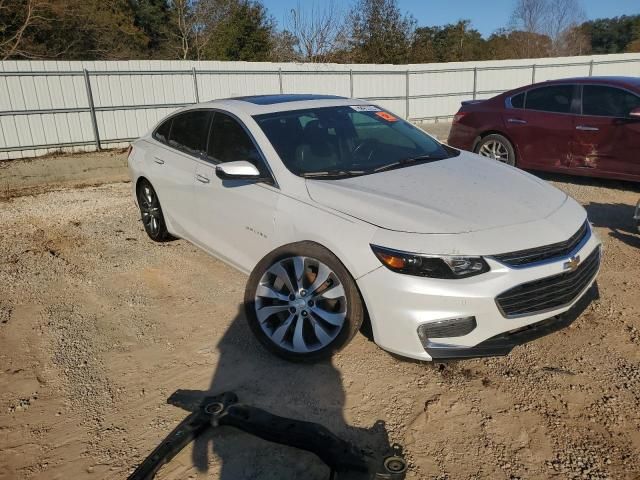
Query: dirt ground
(98, 325)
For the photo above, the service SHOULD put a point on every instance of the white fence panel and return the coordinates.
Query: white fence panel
(45, 105)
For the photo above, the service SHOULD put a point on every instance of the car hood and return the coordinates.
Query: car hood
(460, 194)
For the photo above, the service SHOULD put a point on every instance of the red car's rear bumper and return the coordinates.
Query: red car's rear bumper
(462, 137)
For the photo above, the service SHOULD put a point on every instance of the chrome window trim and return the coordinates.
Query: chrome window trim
(590, 84)
(203, 155)
(526, 92)
(548, 261)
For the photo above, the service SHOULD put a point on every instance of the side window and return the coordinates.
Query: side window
(189, 131)
(608, 101)
(162, 132)
(517, 101)
(556, 98)
(229, 142)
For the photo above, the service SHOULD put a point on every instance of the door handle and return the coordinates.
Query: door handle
(519, 121)
(202, 178)
(159, 161)
(586, 128)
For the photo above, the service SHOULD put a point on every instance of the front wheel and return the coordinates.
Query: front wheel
(302, 304)
(497, 147)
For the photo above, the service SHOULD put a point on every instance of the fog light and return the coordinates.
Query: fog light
(452, 327)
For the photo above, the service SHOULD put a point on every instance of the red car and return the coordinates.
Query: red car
(583, 126)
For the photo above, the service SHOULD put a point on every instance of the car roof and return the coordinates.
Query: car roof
(260, 104)
(632, 83)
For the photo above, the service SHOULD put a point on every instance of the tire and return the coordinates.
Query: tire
(305, 321)
(151, 212)
(497, 147)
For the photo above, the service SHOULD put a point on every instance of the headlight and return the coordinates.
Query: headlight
(425, 266)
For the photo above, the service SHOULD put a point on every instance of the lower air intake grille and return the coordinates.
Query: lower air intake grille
(551, 292)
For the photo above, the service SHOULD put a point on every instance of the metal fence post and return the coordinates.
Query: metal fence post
(280, 78)
(475, 82)
(195, 85)
(406, 107)
(533, 73)
(92, 109)
(351, 82)
(591, 68)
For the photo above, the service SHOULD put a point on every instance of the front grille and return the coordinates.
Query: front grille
(538, 254)
(549, 293)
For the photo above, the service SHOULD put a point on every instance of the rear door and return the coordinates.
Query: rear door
(542, 130)
(605, 138)
(174, 165)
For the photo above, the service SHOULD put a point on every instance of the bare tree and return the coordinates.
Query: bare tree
(555, 19)
(529, 16)
(15, 19)
(195, 22)
(317, 28)
(563, 16)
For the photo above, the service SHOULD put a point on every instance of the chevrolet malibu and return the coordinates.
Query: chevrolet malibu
(341, 213)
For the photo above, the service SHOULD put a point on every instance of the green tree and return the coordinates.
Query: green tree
(245, 34)
(380, 32)
(153, 18)
(450, 43)
(612, 35)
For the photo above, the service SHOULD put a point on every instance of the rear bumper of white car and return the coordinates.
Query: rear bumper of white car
(399, 305)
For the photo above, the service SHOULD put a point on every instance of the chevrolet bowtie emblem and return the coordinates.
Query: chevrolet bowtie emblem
(572, 264)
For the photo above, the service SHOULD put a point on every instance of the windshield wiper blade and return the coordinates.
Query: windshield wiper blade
(408, 161)
(332, 173)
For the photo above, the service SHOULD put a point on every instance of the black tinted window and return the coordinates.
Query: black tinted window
(608, 101)
(517, 101)
(556, 98)
(189, 131)
(229, 142)
(162, 133)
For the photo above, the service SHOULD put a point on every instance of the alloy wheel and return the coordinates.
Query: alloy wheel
(300, 304)
(495, 150)
(150, 210)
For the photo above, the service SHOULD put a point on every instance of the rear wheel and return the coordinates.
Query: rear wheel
(302, 304)
(497, 147)
(151, 212)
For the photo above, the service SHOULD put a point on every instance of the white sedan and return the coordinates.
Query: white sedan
(342, 213)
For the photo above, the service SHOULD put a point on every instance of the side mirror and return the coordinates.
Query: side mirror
(635, 113)
(240, 170)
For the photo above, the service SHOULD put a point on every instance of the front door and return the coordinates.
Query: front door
(605, 138)
(542, 128)
(237, 217)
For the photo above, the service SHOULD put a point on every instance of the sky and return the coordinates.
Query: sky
(485, 15)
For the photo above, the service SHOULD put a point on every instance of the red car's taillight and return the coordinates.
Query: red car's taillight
(458, 116)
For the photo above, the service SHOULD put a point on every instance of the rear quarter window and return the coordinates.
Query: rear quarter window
(162, 132)
(517, 101)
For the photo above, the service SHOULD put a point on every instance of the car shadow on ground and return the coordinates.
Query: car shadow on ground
(618, 218)
(588, 181)
(310, 392)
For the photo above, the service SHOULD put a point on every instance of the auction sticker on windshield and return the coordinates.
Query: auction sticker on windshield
(387, 116)
(365, 108)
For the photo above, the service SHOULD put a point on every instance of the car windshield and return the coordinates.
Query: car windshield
(338, 142)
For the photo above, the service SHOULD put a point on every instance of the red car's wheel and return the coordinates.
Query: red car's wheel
(498, 148)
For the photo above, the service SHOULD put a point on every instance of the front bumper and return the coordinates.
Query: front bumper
(398, 304)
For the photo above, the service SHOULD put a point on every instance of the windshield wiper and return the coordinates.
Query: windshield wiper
(333, 173)
(408, 161)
